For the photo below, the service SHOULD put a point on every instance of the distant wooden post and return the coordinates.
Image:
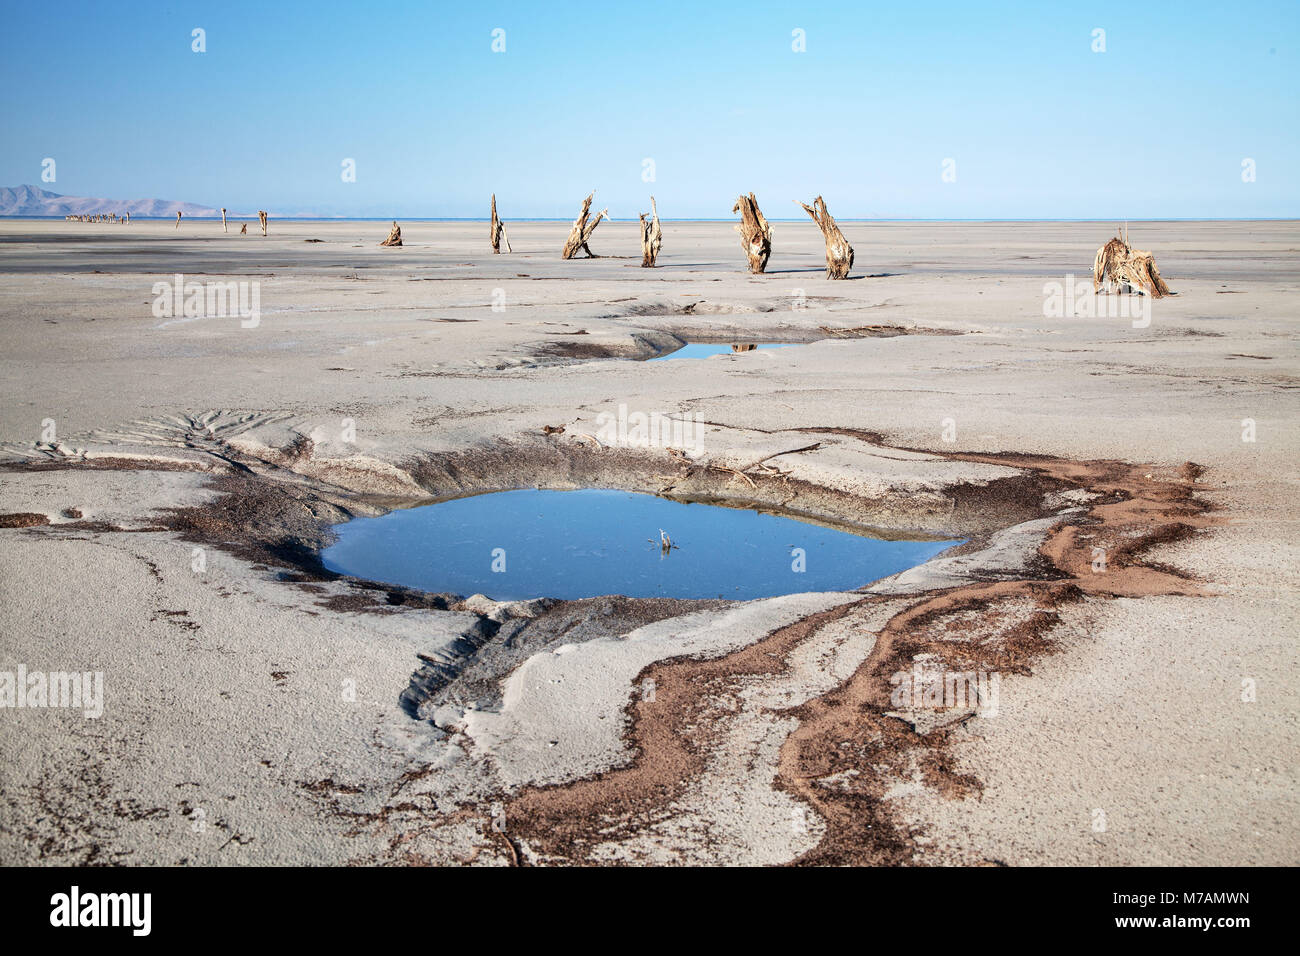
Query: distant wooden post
(394, 236)
(223, 220)
(261, 217)
(839, 254)
(755, 233)
(498, 230)
(582, 230)
(178, 218)
(651, 236)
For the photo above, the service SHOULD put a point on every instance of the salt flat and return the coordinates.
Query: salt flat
(189, 464)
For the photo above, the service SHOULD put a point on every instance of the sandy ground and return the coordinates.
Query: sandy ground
(256, 710)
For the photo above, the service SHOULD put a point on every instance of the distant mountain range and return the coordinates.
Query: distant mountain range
(31, 201)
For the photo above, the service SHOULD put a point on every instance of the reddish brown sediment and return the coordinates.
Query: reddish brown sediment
(849, 727)
(23, 519)
(563, 822)
(1002, 626)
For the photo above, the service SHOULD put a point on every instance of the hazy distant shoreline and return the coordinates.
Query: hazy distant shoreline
(568, 219)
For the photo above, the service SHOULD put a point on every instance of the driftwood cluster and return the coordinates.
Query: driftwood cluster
(1117, 265)
(756, 236)
(1127, 269)
(98, 217)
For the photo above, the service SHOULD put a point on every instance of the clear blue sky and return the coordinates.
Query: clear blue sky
(1038, 124)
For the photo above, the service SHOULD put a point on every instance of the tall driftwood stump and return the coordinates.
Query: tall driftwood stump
(261, 217)
(755, 233)
(839, 254)
(223, 219)
(582, 230)
(498, 230)
(178, 218)
(1119, 264)
(394, 236)
(652, 236)
(1106, 266)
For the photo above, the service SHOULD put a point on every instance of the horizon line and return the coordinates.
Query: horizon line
(566, 219)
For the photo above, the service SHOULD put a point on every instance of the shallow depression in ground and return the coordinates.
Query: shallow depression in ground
(517, 545)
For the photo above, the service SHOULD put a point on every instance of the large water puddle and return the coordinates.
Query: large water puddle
(695, 350)
(516, 545)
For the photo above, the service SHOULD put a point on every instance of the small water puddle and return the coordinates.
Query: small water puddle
(517, 545)
(695, 350)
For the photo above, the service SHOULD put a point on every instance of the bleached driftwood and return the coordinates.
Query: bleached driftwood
(223, 219)
(651, 236)
(394, 236)
(1110, 258)
(582, 230)
(498, 230)
(178, 218)
(261, 217)
(755, 233)
(1128, 269)
(839, 254)
(1140, 271)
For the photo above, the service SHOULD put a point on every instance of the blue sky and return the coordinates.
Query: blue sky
(1039, 125)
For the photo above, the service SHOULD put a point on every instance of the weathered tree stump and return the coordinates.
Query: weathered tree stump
(582, 230)
(651, 236)
(394, 236)
(1140, 271)
(261, 217)
(223, 220)
(1106, 266)
(1128, 269)
(839, 254)
(755, 233)
(498, 230)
